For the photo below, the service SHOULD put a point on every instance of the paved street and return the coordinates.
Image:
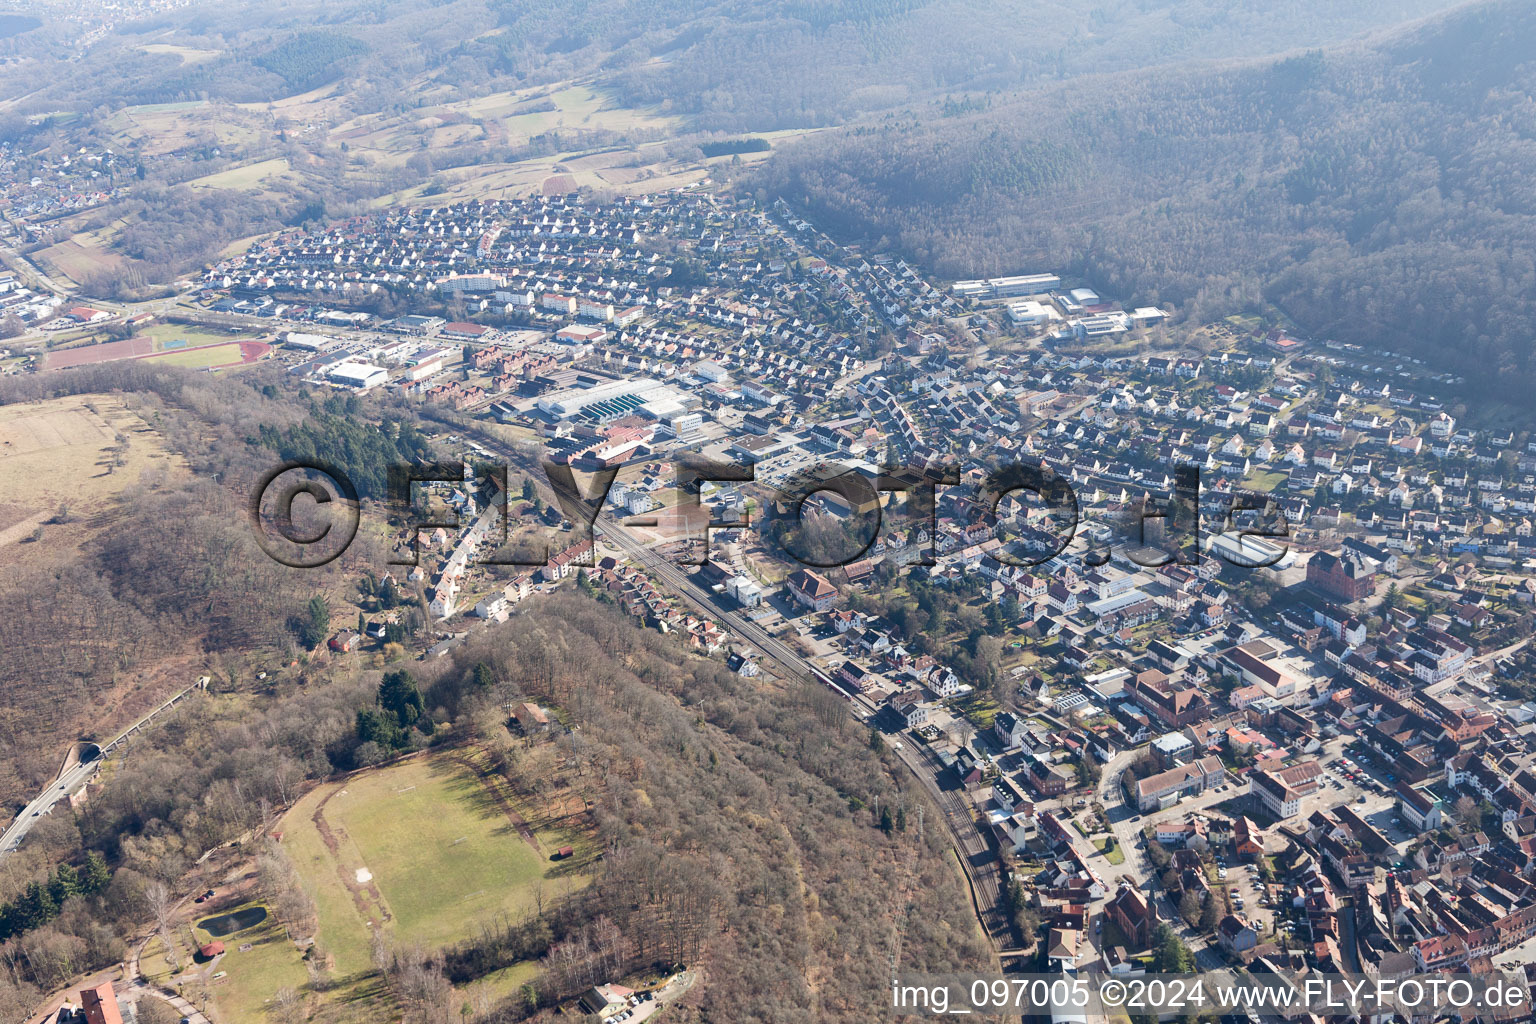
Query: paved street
(973, 848)
(71, 781)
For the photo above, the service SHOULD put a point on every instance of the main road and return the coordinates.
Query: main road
(71, 779)
(972, 847)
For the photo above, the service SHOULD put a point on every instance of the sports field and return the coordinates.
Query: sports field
(198, 358)
(424, 849)
(167, 344)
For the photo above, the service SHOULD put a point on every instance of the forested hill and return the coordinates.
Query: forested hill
(754, 64)
(724, 64)
(1383, 194)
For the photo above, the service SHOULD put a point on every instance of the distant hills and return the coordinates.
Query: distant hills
(731, 65)
(1380, 193)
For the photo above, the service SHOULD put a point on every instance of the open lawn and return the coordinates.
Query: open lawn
(978, 709)
(188, 54)
(253, 976)
(198, 358)
(1264, 480)
(166, 127)
(509, 980)
(424, 849)
(1115, 854)
(60, 452)
(248, 178)
(167, 335)
(78, 258)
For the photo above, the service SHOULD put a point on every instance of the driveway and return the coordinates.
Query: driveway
(135, 992)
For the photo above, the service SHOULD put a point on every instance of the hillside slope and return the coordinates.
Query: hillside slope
(729, 64)
(1380, 194)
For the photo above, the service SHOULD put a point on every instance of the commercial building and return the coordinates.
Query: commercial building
(358, 376)
(578, 334)
(1167, 788)
(310, 342)
(635, 393)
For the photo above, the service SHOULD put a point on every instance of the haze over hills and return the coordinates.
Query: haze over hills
(313, 314)
(1378, 193)
(729, 64)
(228, 121)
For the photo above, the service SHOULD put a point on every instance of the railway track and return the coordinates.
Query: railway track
(973, 847)
(981, 866)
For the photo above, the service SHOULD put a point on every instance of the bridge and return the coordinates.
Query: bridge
(79, 765)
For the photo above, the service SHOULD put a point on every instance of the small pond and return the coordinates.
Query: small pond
(238, 921)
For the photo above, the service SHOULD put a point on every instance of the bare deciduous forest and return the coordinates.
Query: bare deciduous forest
(1368, 191)
(737, 824)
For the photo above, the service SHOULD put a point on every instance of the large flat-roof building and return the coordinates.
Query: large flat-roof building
(1005, 287)
(357, 376)
(621, 396)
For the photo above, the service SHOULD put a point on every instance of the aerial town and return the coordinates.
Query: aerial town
(1323, 762)
(1311, 748)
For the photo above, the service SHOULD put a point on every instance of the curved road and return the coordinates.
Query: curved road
(973, 847)
(72, 780)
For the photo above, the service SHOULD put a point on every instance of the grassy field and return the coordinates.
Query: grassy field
(165, 127)
(188, 54)
(424, 849)
(1264, 480)
(198, 358)
(253, 976)
(249, 178)
(1114, 856)
(78, 258)
(60, 452)
(509, 980)
(165, 334)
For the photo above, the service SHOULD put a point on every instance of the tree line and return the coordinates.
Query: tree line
(1374, 192)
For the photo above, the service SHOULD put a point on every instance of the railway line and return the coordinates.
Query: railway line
(982, 868)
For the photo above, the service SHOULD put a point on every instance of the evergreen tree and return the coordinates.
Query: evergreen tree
(64, 884)
(316, 623)
(375, 726)
(97, 875)
(399, 695)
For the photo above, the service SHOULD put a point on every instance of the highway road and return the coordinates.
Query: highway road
(73, 779)
(972, 846)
